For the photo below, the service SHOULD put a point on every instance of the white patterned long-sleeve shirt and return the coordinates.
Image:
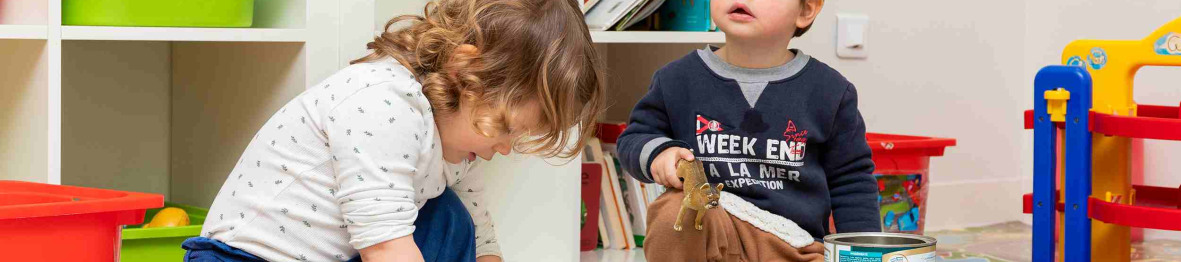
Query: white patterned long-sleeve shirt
(343, 166)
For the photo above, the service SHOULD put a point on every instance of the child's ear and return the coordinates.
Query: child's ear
(809, 10)
(467, 49)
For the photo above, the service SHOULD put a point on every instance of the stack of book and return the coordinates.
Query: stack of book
(621, 200)
(671, 15)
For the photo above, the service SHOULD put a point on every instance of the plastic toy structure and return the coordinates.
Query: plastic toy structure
(1089, 102)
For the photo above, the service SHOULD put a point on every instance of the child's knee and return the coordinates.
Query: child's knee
(662, 215)
(447, 211)
(715, 241)
(664, 208)
(450, 204)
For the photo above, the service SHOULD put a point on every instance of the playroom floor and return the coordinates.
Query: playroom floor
(994, 243)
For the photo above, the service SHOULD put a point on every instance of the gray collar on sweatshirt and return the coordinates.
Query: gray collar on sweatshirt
(742, 74)
(752, 81)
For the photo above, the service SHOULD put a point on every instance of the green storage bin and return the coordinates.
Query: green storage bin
(160, 244)
(171, 13)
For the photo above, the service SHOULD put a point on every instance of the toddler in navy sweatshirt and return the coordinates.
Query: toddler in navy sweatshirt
(779, 129)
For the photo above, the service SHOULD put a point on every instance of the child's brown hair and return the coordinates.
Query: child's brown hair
(528, 50)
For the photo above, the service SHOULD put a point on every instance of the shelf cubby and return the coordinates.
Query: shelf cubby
(168, 117)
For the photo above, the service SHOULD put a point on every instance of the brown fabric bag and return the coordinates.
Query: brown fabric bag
(723, 237)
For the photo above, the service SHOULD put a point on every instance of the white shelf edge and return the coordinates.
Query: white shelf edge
(657, 37)
(24, 32)
(182, 34)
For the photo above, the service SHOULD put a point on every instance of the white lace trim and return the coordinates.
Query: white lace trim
(776, 225)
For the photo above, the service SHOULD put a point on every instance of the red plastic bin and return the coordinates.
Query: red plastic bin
(42, 222)
(902, 171)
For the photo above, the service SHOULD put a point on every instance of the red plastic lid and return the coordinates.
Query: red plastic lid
(26, 200)
(903, 144)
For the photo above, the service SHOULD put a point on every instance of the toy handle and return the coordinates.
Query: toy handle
(1158, 60)
(1164, 47)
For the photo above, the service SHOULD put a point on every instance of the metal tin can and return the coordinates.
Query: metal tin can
(878, 247)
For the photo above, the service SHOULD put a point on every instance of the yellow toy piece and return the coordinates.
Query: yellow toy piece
(1112, 65)
(1057, 104)
(169, 217)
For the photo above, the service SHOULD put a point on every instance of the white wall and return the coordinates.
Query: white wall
(964, 70)
(944, 69)
(534, 205)
(1052, 24)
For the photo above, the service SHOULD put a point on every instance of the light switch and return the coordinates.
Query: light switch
(852, 30)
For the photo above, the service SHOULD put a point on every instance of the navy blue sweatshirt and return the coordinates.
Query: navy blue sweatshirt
(795, 148)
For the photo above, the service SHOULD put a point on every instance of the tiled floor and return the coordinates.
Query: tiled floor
(1000, 242)
(1011, 242)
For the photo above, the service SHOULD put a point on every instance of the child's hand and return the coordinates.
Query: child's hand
(402, 249)
(813, 252)
(664, 167)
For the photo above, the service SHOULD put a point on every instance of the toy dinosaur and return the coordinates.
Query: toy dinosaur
(699, 195)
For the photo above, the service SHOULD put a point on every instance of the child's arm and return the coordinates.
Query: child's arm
(470, 189)
(849, 167)
(375, 160)
(648, 134)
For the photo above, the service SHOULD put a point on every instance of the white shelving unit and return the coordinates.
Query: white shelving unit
(150, 109)
(183, 34)
(657, 37)
(24, 90)
(39, 32)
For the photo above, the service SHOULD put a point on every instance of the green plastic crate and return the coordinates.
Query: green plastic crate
(160, 244)
(170, 13)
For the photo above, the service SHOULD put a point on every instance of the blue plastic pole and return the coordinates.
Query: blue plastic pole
(1076, 166)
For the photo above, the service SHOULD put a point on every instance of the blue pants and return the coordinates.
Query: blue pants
(443, 232)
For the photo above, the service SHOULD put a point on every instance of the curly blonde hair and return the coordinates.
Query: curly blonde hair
(528, 51)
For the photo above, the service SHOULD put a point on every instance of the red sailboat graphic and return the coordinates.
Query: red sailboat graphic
(706, 124)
